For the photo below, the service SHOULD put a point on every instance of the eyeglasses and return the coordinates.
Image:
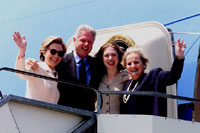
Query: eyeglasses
(60, 53)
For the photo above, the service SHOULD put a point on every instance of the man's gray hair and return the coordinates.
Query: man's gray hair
(85, 28)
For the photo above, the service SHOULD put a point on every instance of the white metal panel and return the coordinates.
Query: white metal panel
(168, 125)
(32, 119)
(152, 37)
(110, 123)
(7, 122)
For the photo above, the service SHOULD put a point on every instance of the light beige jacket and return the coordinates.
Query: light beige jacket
(111, 103)
(37, 88)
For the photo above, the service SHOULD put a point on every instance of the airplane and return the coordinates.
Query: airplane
(19, 114)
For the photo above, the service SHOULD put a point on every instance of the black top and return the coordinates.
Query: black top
(156, 80)
(76, 96)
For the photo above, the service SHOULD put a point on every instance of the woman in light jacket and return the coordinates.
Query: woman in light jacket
(113, 78)
(51, 53)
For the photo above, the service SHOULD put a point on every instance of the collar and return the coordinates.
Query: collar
(45, 67)
(120, 77)
(77, 58)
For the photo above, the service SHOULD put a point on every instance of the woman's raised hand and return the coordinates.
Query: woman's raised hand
(180, 48)
(21, 43)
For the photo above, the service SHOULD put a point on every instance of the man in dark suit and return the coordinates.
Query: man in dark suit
(69, 69)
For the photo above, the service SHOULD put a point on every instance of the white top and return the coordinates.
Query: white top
(37, 88)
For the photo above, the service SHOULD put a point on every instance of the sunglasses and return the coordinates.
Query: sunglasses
(60, 53)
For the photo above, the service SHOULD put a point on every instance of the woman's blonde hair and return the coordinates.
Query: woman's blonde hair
(135, 50)
(47, 42)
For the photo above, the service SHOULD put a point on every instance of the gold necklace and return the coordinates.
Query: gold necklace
(126, 98)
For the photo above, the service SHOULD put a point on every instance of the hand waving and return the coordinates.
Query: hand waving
(21, 43)
(180, 48)
(32, 64)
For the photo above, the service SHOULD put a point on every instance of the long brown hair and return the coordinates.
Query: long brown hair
(99, 57)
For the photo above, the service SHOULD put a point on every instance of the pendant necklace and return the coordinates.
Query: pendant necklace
(126, 97)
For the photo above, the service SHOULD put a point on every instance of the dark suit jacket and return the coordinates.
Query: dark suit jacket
(156, 80)
(75, 96)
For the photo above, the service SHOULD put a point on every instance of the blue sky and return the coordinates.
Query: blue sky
(39, 19)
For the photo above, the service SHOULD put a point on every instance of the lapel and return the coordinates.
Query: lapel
(141, 83)
(46, 68)
(70, 65)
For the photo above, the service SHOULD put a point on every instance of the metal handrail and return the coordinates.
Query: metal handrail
(143, 93)
(99, 93)
(47, 78)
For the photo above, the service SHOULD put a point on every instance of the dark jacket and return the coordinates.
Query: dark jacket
(156, 80)
(76, 96)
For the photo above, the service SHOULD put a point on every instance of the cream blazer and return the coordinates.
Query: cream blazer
(111, 103)
(37, 88)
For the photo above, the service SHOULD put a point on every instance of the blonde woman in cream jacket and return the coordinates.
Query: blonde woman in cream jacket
(51, 53)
